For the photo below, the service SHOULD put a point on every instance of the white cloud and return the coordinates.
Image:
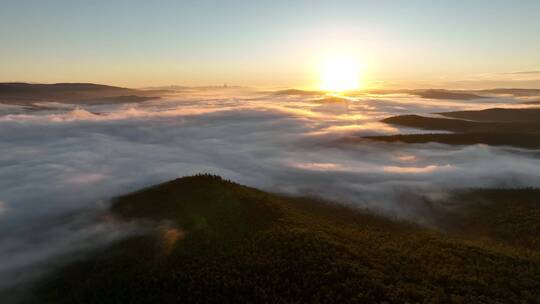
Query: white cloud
(64, 160)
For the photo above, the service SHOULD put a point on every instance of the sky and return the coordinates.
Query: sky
(278, 43)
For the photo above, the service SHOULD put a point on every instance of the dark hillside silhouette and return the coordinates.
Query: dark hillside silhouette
(84, 93)
(510, 127)
(215, 241)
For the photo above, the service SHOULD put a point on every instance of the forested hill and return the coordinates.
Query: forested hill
(215, 241)
(495, 126)
(84, 93)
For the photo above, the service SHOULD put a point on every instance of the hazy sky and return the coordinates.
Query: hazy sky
(270, 43)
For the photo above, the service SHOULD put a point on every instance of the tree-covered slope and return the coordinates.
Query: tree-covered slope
(497, 127)
(502, 216)
(520, 140)
(215, 241)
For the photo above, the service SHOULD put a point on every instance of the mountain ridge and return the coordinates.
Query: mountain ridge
(218, 241)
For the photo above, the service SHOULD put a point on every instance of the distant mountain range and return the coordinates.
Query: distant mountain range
(425, 93)
(20, 93)
(184, 88)
(82, 93)
(459, 94)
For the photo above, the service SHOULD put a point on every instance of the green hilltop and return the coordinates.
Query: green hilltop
(215, 241)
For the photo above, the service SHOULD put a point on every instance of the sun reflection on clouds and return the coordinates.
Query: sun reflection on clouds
(406, 158)
(373, 127)
(86, 178)
(417, 170)
(318, 166)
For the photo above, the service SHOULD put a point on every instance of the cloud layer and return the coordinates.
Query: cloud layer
(63, 160)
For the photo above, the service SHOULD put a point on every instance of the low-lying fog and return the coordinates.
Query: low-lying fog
(61, 163)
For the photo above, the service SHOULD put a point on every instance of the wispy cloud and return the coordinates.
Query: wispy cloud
(522, 73)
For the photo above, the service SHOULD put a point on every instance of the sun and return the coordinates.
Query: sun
(340, 73)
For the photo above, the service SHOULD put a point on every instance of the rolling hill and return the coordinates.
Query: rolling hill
(215, 241)
(500, 127)
(81, 93)
(498, 115)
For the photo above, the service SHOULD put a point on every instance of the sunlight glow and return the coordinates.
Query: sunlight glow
(340, 73)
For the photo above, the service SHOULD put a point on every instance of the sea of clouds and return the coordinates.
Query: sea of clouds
(60, 164)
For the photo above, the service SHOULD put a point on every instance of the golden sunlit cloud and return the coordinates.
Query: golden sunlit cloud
(340, 73)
